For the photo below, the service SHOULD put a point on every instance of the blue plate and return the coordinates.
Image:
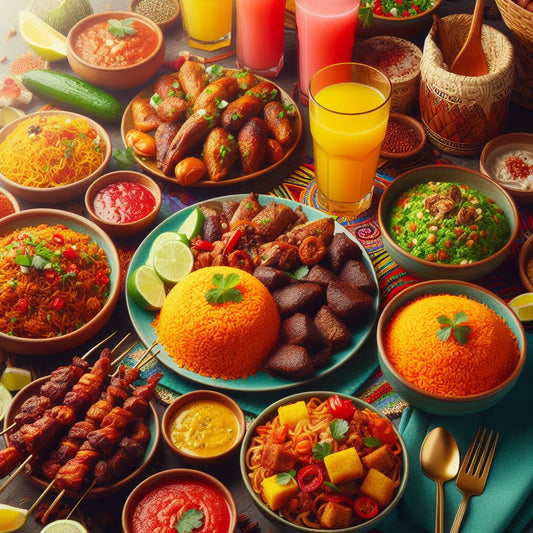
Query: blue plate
(262, 381)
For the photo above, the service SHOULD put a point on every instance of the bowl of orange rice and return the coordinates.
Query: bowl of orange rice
(450, 347)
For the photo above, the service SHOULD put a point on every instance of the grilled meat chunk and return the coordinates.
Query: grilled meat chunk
(340, 250)
(298, 298)
(348, 302)
(290, 361)
(356, 273)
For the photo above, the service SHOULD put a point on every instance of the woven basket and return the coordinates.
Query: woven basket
(462, 113)
(520, 22)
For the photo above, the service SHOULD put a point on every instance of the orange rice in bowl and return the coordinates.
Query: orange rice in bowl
(228, 340)
(450, 347)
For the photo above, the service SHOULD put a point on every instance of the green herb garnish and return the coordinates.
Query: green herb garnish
(332, 486)
(372, 442)
(224, 290)
(299, 273)
(449, 326)
(284, 477)
(339, 428)
(321, 450)
(189, 520)
(124, 158)
(121, 28)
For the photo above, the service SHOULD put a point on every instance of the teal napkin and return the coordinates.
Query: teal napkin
(506, 505)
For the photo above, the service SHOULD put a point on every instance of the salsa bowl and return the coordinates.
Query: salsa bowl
(458, 222)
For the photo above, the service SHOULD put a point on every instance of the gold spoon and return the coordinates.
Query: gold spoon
(439, 458)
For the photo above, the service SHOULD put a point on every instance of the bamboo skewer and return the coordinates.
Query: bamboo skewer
(15, 473)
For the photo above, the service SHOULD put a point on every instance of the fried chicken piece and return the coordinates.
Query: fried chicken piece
(273, 220)
(225, 88)
(248, 207)
(277, 120)
(239, 111)
(220, 152)
(322, 228)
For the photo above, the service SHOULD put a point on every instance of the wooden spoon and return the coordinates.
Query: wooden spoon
(470, 61)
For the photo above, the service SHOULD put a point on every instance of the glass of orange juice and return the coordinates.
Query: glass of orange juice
(207, 23)
(349, 107)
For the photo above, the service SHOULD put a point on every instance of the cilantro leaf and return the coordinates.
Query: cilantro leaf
(224, 290)
(372, 442)
(121, 28)
(124, 158)
(339, 428)
(332, 486)
(321, 450)
(454, 326)
(189, 520)
(284, 477)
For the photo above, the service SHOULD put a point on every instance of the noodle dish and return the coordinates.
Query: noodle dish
(324, 461)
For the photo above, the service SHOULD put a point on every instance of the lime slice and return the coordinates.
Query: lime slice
(5, 401)
(173, 260)
(41, 37)
(193, 224)
(64, 526)
(9, 114)
(166, 236)
(146, 288)
(15, 379)
(522, 305)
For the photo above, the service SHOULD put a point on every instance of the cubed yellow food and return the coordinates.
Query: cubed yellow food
(292, 413)
(336, 516)
(379, 487)
(275, 494)
(344, 466)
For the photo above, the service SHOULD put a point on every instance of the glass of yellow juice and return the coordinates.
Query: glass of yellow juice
(207, 23)
(349, 106)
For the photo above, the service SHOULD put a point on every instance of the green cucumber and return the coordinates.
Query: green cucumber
(73, 93)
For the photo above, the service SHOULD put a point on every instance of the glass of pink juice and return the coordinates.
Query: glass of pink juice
(326, 32)
(260, 35)
(349, 106)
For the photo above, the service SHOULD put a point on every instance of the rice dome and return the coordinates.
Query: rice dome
(486, 358)
(227, 340)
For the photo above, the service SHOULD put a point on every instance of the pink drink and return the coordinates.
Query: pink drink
(260, 35)
(326, 34)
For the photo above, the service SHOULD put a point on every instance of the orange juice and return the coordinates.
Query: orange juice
(207, 23)
(348, 122)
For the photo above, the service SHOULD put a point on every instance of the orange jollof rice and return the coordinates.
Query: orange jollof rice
(230, 340)
(447, 368)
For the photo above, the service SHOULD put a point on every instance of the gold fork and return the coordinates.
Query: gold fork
(474, 471)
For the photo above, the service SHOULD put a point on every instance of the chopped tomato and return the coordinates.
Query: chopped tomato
(57, 238)
(50, 275)
(279, 434)
(366, 507)
(102, 278)
(22, 305)
(340, 407)
(73, 268)
(57, 303)
(70, 253)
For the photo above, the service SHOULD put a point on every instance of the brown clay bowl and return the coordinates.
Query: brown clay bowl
(163, 23)
(404, 125)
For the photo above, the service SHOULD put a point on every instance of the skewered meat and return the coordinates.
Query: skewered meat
(31, 409)
(356, 273)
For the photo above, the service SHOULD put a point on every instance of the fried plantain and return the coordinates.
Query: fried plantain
(168, 85)
(172, 109)
(193, 78)
(144, 115)
(164, 134)
(220, 152)
(222, 89)
(252, 142)
(279, 123)
(239, 111)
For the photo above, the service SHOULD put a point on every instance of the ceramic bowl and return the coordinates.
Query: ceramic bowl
(151, 419)
(446, 173)
(46, 346)
(124, 77)
(15, 207)
(166, 18)
(396, 145)
(53, 195)
(494, 155)
(526, 253)
(284, 525)
(186, 400)
(123, 229)
(406, 27)
(177, 477)
(440, 404)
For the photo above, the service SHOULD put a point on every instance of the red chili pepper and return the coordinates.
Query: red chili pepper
(279, 434)
(70, 253)
(92, 133)
(57, 303)
(57, 238)
(22, 305)
(309, 478)
(341, 408)
(232, 241)
(50, 275)
(73, 267)
(366, 507)
(102, 278)
(203, 246)
(175, 64)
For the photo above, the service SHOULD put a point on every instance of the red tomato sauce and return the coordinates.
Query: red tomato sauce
(123, 202)
(96, 45)
(161, 508)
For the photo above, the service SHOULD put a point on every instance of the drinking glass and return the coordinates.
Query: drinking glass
(207, 23)
(348, 113)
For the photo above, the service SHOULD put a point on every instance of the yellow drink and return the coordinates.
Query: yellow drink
(207, 23)
(348, 122)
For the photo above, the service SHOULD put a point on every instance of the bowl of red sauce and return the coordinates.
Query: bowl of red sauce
(123, 202)
(169, 498)
(116, 49)
(8, 204)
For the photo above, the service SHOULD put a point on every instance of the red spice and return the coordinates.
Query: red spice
(6, 207)
(399, 138)
(518, 168)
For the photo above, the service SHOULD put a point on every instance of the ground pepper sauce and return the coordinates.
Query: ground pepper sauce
(123, 202)
(161, 508)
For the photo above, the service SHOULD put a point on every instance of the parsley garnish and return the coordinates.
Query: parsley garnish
(284, 477)
(299, 273)
(321, 450)
(338, 428)
(124, 158)
(449, 326)
(224, 290)
(372, 442)
(332, 486)
(121, 28)
(189, 520)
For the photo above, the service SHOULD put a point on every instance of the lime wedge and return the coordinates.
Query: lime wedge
(15, 379)
(64, 526)
(41, 37)
(5, 401)
(522, 305)
(146, 289)
(173, 260)
(193, 224)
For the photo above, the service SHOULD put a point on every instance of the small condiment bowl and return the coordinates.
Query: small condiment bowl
(176, 477)
(15, 207)
(187, 400)
(110, 77)
(123, 229)
(404, 138)
(524, 257)
(162, 19)
(439, 403)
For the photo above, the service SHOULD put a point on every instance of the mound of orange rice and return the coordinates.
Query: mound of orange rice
(230, 340)
(448, 368)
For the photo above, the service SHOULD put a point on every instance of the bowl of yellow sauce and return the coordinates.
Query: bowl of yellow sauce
(203, 426)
